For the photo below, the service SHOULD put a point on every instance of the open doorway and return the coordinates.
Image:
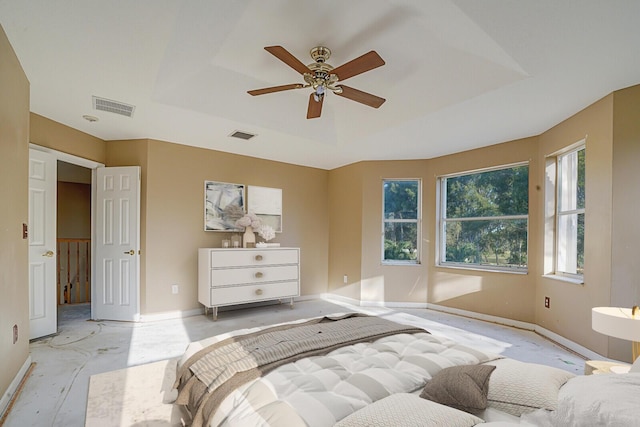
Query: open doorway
(113, 252)
(73, 230)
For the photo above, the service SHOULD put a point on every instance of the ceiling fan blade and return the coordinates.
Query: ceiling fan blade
(275, 89)
(315, 107)
(283, 55)
(363, 63)
(361, 97)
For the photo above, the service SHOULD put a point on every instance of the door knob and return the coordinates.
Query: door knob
(131, 252)
(48, 254)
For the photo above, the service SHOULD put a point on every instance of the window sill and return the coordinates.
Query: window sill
(486, 270)
(401, 263)
(564, 279)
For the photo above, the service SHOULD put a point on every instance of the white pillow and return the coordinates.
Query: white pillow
(517, 387)
(408, 410)
(594, 400)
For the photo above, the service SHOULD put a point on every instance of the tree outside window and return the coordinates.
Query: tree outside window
(401, 219)
(484, 219)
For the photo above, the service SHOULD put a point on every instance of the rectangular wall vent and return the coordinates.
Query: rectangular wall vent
(242, 135)
(112, 106)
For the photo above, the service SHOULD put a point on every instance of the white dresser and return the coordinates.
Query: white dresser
(238, 276)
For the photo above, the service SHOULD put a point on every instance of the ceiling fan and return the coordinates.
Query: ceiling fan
(322, 77)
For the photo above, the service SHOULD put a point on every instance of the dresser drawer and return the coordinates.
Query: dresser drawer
(244, 257)
(248, 293)
(236, 276)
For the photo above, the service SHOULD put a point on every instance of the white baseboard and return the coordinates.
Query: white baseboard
(168, 315)
(391, 304)
(486, 317)
(309, 297)
(13, 387)
(339, 299)
(577, 348)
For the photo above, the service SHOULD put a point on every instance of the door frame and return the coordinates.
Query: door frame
(89, 164)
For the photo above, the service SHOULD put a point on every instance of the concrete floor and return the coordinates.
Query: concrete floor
(56, 392)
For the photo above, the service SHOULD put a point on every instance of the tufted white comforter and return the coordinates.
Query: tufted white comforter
(321, 390)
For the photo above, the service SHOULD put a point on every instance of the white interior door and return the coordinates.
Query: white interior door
(116, 293)
(43, 315)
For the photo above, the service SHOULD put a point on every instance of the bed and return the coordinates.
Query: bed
(353, 370)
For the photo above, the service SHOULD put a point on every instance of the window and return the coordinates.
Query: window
(570, 213)
(401, 220)
(484, 219)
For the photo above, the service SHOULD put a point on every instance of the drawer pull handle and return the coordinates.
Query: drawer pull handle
(258, 257)
(258, 275)
(258, 291)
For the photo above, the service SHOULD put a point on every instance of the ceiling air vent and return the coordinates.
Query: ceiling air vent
(242, 135)
(111, 106)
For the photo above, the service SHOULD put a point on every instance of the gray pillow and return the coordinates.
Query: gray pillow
(461, 387)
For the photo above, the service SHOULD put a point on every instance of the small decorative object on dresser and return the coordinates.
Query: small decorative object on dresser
(248, 238)
(229, 277)
(252, 223)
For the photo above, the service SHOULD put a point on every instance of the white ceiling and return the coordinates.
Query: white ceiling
(459, 74)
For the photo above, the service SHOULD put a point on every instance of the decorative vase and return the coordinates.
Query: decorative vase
(249, 237)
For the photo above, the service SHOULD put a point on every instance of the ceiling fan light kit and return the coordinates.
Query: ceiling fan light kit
(322, 77)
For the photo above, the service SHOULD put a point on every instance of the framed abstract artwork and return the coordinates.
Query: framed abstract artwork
(224, 204)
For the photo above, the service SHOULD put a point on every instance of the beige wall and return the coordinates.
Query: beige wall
(356, 244)
(498, 294)
(625, 239)
(14, 158)
(54, 135)
(174, 219)
(135, 153)
(345, 231)
(389, 283)
(569, 314)
(508, 295)
(74, 210)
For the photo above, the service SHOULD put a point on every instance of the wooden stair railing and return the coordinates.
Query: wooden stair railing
(74, 271)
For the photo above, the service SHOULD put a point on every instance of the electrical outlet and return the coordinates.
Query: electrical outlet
(345, 279)
(546, 302)
(15, 334)
(174, 289)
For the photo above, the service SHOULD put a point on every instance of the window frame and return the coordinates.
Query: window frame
(573, 277)
(417, 221)
(441, 247)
